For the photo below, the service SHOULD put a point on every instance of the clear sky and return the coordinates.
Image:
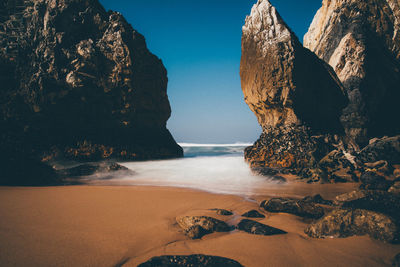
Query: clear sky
(199, 42)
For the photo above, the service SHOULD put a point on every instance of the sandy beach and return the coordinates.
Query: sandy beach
(115, 226)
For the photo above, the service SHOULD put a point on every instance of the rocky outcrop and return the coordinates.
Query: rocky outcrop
(223, 212)
(317, 199)
(374, 200)
(190, 260)
(253, 214)
(197, 226)
(372, 181)
(256, 228)
(296, 97)
(378, 149)
(348, 222)
(79, 82)
(301, 208)
(89, 169)
(361, 41)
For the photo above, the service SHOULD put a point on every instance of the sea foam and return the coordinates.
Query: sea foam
(208, 167)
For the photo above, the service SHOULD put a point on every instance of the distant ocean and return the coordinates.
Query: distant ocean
(217, 168)
(202, 150)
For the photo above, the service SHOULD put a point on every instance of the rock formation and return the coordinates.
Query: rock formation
(256, 228)
(346, 222)
(189, 260)
(79, 82)
(197, 226)
(301, 208)
(296, 96)
(361, 41)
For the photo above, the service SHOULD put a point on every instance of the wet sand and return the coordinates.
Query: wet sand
(114, 225)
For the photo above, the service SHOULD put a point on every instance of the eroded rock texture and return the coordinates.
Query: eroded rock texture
(347, 222)
(361, 41)
(79, 83)
(190, 260)
(296, 96)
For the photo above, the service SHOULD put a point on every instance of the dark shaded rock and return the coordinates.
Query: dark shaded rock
(386, 148)
(293, 206)
(23, 170)
(372, 181)
(91, 168)
(223, 212)
(317, 199)
(396, 172)
(360, 40)
(190, 260)
(206, 225)
(374, 200)
(253, 214)
(350, 196)
(256, 228)
(79, 83)
(396, 261)
(395, 188)
(196, 232)
(349, 222)
(381, 166)
(298, 112)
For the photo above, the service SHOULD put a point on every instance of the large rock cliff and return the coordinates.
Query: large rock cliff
(296, 96)
(79, 83)
(361, 41)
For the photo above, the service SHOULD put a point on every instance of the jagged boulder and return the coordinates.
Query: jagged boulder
(296, 97)
(78, 82)
(361, 41)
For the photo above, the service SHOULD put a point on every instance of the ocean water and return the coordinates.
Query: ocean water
(216, 168)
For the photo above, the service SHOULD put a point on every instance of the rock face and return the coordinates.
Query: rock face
(256, 228)
(91, 169)
(361, 41)
(374, 200)
(190, 260)
(197, 226)
(347, 222)
(223, 212)
(253, 214)
(386, 148)
(79, 83)
(302, 208)
(295, 95)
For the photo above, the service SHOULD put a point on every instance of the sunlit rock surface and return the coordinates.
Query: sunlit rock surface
(296, 96)
(361, 41)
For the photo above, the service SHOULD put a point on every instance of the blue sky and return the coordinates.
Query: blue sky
(199, 42)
